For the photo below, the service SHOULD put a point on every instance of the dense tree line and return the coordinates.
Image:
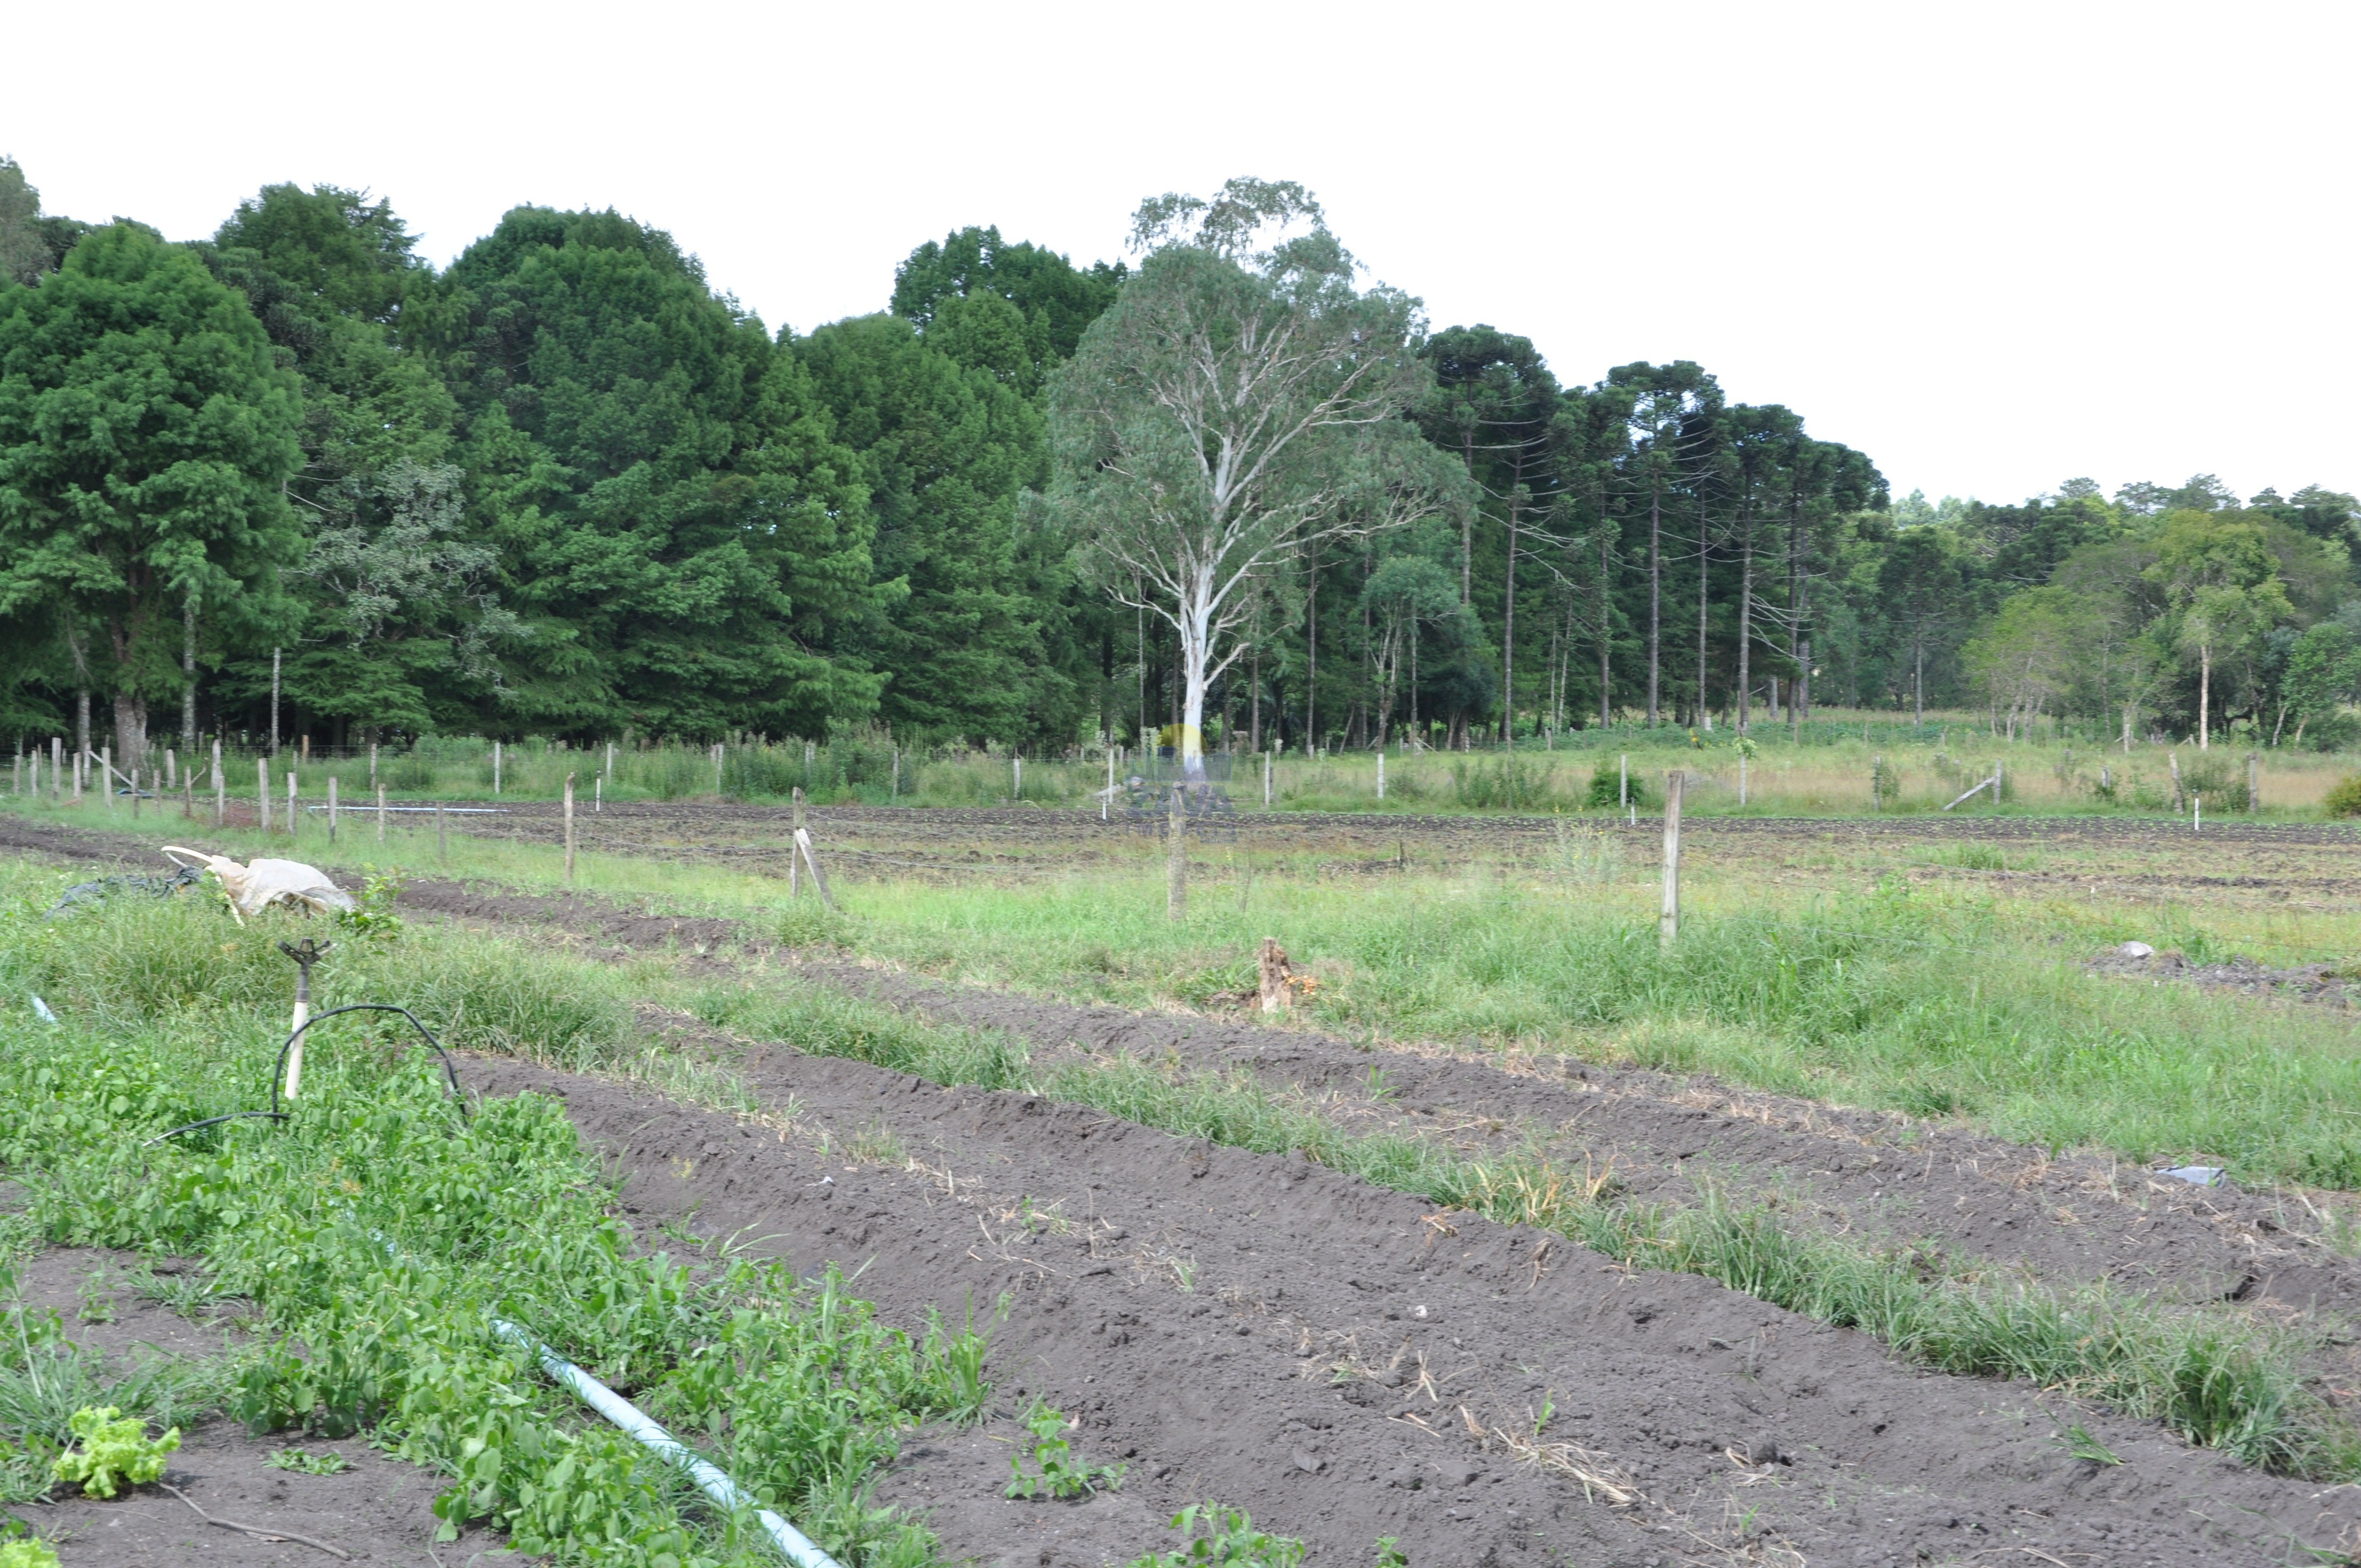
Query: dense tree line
(564, 486)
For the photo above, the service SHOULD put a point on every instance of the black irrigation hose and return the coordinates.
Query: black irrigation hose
(278, 1071)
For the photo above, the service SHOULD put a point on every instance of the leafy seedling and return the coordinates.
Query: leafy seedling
(2079, 1442)
(27, 1554)
(306, 1463)
(1230, 1541)
(108, 1450)
(1060, 1476)
(1390, 1553)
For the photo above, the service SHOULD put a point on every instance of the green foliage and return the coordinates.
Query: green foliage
(1056, 1474)
(2343, 797)
(34, 1553)
(110, 1451)
(110, 519)
(793, 1385)
(302, 1462)
(1606, 791)
(1227, 1537)
(375, 916)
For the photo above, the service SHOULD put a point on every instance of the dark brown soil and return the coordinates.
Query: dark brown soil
(1873, 1173)
(381, 1511)
(1346, 1364)
(2327, 985)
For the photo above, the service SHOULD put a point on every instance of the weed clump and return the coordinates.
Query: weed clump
(2343, 797)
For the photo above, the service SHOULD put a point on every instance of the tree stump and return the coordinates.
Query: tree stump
(1277, 980)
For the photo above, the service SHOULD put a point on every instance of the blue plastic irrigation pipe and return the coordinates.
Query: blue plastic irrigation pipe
(791, 1543)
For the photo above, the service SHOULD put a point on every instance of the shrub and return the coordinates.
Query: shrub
(1605, 791)
(2345, 798)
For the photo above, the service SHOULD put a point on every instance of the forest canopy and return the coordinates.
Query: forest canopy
(564, 486)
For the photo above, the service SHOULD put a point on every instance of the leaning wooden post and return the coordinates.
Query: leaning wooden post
(1176, 869)
(819, 882)
(1668, 925)
(570, 827)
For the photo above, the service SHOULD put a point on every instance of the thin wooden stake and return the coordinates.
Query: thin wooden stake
(442, 842)
(262, 792)
(570, 827)
(1668, 925)
(1176, 870)
(221, 786)
(819, 881)
(381, 814)
(332, 808)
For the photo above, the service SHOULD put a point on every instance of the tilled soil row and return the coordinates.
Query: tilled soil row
(1883, 1177)
(1346, 1364)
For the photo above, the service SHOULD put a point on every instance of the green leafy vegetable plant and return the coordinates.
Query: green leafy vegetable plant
(109, 1450)
(1227, 1537)
(303, 1463)
(27, 1554)
(1060, 1476)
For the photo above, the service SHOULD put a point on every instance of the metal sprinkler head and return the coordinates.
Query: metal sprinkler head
(306, 953)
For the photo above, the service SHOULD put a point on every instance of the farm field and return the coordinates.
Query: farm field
(1832, 1235)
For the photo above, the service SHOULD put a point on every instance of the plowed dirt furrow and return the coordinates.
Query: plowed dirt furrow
(1348, 1364)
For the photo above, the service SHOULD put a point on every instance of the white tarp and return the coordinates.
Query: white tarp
(258, 885)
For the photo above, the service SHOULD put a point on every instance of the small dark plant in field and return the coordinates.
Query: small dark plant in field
(108, 1451)
(1060, 1475)
(1605, 791)
(304, 1462)
(1227, 1537)
(1931, 1101)
(2343, 797)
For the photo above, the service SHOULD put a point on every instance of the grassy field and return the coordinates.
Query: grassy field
(1841, 763)
(1941, 979)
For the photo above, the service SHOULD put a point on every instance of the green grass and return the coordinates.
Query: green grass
(1930, 1000)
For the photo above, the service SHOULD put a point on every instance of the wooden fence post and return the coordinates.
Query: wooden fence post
(291, 803)
(1668, 925)
(1623, 788)
(1265, 781)
(2253, 784)
(262, 794)
(106, 774)
(441, 841)
(332, 808)
(1381, 772)
(1175, 869)
(569, 829)
(381, 814)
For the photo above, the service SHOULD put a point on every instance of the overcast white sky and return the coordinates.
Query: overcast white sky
(1993, 246)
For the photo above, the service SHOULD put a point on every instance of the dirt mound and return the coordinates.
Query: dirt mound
(2331, 985)
(1346, 1364)
(588, 917)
